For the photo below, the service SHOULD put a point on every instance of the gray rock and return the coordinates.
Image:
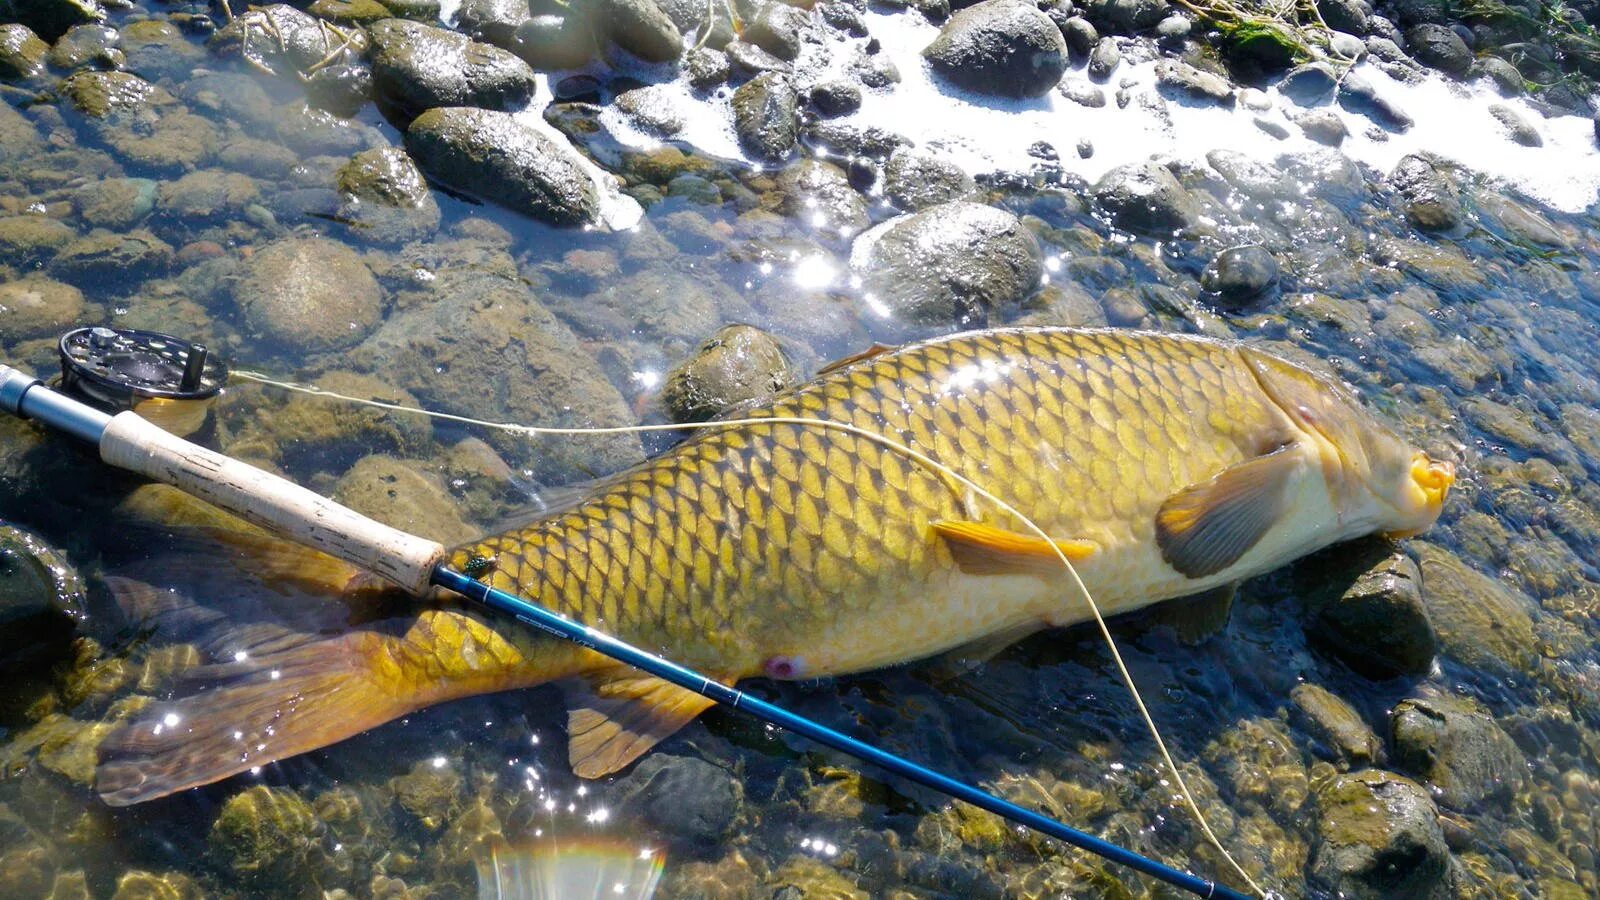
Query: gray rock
(308, 293)
(417, 67)
(693, 803)
(953, 263)
(1081, 37)
(408, 495)
(34, 306)
(1337, 726)
(707, 68)
(1367, 610)
(1309, 84)
(776, 28)
(738, 365)
(844, 17)
(1347, 46)
(875, 70)
(1240, 274)
(208, 195)
(1083, 94)
(1146, 199)
(50, 19)
(1348, 16)
(1481, 623)
(40, 595)
(851, 139)
(1085, 148)
(1002, 48)
(1174, 28)
(492, 21)
(1271, 126)
(1440, 47)
(493, 156)
(651, 109)
(1517, 128)
(1359, 95)
(157, 50)
(101, 256)
(1456, 747)
(1378, 838)
(837, 97)
(555, 41)
(1507, 80)
(641, 28)
(1104, 59)
(1323, 126)
(819, 193)
(86, 45)
(1180, 80)
(913, 180)
(1430, 198)
(765, 116)
(283, 40)
(22, 54)
(386, 198)
(747, 59)
(1126, 16)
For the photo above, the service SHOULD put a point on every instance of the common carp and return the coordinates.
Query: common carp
(1161, 465)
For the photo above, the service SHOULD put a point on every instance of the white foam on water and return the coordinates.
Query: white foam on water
(618, 211)
(448, 9)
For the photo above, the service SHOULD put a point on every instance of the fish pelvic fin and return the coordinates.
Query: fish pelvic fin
(981, 549)
(287, 697)
(1206, 527)
(616, 716)
(1199, 617)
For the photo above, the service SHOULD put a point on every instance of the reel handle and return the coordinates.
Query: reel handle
(275, 503)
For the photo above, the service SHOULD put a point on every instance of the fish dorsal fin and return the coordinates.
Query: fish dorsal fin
(1205, 528)
(1198, 617)
(852, 359)
(981, 549)
(616, 716)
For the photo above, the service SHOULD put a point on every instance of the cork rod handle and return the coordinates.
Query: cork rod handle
(274, 503)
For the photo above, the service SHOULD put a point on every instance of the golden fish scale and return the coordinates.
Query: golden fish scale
(752, 540)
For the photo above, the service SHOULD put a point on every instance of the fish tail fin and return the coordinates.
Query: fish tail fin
(291, 697)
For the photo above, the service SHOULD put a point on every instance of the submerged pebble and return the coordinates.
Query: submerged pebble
(310, 293)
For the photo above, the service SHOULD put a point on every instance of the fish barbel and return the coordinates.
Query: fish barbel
(1161, 465)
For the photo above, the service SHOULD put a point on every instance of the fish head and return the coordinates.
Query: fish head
(1381, 482)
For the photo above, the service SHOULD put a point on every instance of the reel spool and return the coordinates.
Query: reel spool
(165, 379)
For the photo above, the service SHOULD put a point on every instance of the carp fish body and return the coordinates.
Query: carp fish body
(1161, 465)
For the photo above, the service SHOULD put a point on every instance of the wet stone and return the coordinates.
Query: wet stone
(641, 28)
(706, 67)
(386, 199)
(1337, 726)
(1309, 84)
(1378, 838)
(157, 50)
(1081, 37)
(417, 67)
(1240, 274)
(492, 21)
(429, 793)
(746, 59)
(835, 98)
(29, 239)
(915, 180)
(41, 593)
(22, 53)
(207, 194)
(652, 110)
(693, 803)
(1439, 47)
(285, 40)
(264, 834)
(738, 365)
(36, 306)
(50, 19)
(1083, 94)
(1002, 48)
(1324, 127)
(776, 28)
(764, 116)
(1104, 59)
(1368, 611)
(1517, 128)
(1481, 622)
(1457, 748)
(493, 156)
(1507, 80)
(349, 12)
(310, 293)
(85, 45)
(819, 193)
(1146, 199)
(952, 263)
(1180, 80)
(102, 255)
(555, 42)
(137, 884)
(1359, 95)
(405, 495)
(1430, 199)
(341, 90)
(115, 203)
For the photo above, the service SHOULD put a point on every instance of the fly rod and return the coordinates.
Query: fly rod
(127, 441)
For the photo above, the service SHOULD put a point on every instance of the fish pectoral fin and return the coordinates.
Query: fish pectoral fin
(1199, 617)
(1206, 527)
(852, 359)
(615, 717)
(981, 549)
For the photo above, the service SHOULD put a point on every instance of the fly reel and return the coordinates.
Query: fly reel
(165, 379)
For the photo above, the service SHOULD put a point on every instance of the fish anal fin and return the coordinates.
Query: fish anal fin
(981, 549)
(1199, 617)
(616, 716)
(1206, 527)
(852, 359)
(295, 698)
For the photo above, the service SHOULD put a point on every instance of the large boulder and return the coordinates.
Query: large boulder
(1002, 48)
(1455, 746)
(1378, 838)
(494, 156)
(417, 67)
(952, 263)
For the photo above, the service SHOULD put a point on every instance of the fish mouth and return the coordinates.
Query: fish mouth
(1430, 484)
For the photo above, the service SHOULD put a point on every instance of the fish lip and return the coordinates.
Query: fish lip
(1426, 492)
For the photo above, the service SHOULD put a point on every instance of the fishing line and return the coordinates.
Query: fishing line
(888, 443)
